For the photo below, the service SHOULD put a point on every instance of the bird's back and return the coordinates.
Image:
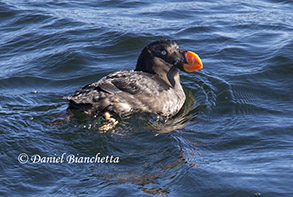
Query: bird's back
(127, 92)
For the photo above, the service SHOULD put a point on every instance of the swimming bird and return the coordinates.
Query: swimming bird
(153, 87)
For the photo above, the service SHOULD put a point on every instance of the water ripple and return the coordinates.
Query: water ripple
(233, 133)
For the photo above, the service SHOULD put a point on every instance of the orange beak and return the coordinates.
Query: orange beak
(193, 62)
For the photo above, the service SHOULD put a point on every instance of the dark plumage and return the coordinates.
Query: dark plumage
(153, 87)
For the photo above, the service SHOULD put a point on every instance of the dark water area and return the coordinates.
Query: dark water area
(233, 136)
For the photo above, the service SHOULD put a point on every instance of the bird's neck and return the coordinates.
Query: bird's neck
(145, 62)
(167, 72)
(173, 77)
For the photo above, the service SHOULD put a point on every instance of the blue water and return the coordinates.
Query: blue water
(233, 136)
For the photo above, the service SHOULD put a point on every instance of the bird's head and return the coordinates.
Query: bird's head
(160, 56)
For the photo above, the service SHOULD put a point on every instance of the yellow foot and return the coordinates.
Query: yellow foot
(111, 122)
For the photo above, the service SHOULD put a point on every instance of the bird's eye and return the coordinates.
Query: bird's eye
(163, 52)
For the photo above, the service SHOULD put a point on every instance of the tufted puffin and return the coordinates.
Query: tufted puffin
(153, 87)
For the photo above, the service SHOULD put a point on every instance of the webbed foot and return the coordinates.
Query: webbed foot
(111, 122)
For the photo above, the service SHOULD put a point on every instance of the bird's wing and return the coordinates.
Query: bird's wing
(133, 82)
(121, 83)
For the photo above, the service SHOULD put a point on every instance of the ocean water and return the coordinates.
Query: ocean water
(233, 136)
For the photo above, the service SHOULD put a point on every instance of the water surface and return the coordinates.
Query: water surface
(232, 138)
